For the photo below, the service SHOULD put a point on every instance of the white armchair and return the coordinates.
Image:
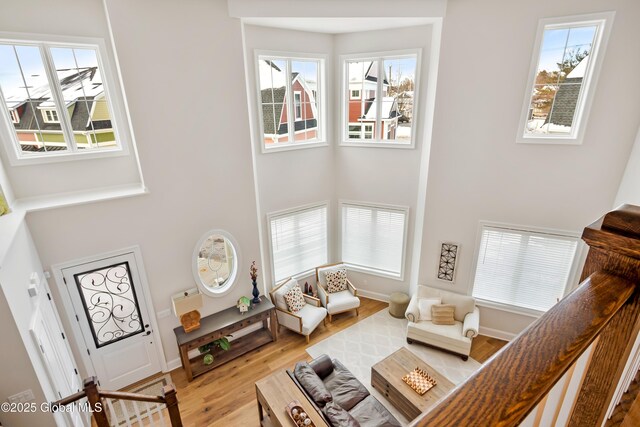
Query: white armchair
(454, 338)
(303, 321)
(337, 302)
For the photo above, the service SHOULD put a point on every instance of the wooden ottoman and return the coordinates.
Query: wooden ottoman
(398, 303)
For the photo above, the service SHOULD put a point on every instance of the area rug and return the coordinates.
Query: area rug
(364, 344)
(150, 388)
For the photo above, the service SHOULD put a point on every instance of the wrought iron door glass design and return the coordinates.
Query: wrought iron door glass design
(448, 258)
(110, 303)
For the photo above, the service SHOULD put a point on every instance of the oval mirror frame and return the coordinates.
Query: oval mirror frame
(206, 288)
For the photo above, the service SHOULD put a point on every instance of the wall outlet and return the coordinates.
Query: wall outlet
(22, 397)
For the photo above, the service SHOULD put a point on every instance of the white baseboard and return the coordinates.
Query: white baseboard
(173, 364)
(373, 295)
(496, 333)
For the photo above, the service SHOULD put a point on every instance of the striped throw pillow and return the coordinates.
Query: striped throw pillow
(442, 314)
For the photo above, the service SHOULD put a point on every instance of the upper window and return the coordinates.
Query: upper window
(523, 268)
(57, 99)
(374, 238)
(298, 240)
(290, 87)
(567, 57)
(380, 94)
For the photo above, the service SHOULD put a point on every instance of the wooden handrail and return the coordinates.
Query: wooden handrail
(95, 396)
(605, 306)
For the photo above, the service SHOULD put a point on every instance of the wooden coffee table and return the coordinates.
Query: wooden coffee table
(386, 377)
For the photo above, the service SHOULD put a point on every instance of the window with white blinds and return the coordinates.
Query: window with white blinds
(298, 240)
(523, 268)
(373, 237)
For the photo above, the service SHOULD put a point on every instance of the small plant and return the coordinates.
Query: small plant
(253, 271)
(223, 343)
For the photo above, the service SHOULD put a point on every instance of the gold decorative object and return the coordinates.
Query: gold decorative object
(420, 381)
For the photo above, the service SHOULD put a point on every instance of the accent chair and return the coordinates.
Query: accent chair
(336, 302)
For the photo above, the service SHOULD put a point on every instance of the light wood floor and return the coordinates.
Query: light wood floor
(226, 395)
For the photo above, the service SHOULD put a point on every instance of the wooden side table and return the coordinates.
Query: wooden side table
(225, 323)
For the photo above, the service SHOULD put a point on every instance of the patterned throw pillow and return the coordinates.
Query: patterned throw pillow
(442, 314)
(337, 280)
(295, 299)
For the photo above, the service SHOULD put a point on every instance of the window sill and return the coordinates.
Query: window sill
(34, 204)
(374, 272)
(378, 145)
(64, 157)
(288, 147)
(509, 308)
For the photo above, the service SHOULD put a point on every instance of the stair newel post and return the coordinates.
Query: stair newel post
(614, 247)
(171, 400)
(95, 402)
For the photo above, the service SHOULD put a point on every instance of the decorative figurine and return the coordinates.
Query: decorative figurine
(243, 304)
(254, 276)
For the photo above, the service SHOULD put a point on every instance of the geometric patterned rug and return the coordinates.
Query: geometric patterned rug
(364, 344)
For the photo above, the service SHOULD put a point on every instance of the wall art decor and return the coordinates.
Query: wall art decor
(448, 258)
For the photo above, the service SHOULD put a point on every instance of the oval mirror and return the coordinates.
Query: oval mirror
(215, 262)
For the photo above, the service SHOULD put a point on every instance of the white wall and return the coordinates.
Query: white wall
(28, 181)
(384, 175)
(181, 70)
(298, 177)
(629, 191)
(478, 172)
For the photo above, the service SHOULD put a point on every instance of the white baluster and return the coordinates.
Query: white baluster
(150, 414)
(137, 411)
(125, 412)
(112, 412)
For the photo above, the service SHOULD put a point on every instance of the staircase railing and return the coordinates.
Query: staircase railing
(564, 369)
(104, 411)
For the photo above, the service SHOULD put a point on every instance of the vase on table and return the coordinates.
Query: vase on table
(256, 293)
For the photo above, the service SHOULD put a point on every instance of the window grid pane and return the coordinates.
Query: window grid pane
(523, 268)
(298, 241)
(564, 60)
(373, 238)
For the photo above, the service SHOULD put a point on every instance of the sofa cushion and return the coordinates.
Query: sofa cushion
(312, 383)
(311, 317)
(442, 314)
(342, 301)
(322, 365)
(345, 388)
(425, 304)
(337, 280)
(322, 273)
(448, 337)
(338, 417)
(371, 413)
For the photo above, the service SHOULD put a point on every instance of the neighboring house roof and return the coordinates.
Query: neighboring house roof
(271, 112)
(566, 99)
(79, 90)
(389, 108)
(371, 73)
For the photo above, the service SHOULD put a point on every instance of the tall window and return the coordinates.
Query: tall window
(568, 54)
(298, 240)
(374, 237)
(57, 99)
(380, 94)
(523, 268)
(290, 87)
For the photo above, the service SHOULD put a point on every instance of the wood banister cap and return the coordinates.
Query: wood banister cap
(624, 220)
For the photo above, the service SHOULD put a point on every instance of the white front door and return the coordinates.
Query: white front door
(109, 303)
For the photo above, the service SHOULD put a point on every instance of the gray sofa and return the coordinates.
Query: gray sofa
(339, 396)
